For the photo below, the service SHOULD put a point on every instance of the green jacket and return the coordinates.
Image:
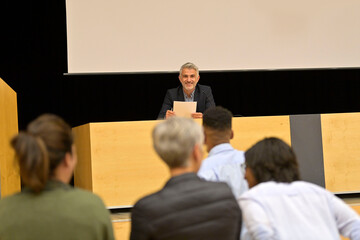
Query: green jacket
(60, 212)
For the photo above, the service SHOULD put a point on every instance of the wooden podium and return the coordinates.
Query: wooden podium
(9, 171)
(116, 160)
(341, 147)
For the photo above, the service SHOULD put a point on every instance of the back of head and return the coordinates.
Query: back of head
(41, 148)
(189, 65)
(217, 118)
(217, 126)
(175, 138)
(271, 159)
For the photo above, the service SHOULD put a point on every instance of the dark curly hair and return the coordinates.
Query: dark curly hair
(271, 159)
(217, 118)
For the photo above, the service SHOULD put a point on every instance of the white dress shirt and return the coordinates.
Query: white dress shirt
(297, 210)
(223, 165)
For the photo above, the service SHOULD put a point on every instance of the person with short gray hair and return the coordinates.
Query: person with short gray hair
(188, 91)
(187, 207)
(189, 65)
(175, 139)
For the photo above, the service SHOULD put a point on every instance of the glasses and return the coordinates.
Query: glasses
(243, 168)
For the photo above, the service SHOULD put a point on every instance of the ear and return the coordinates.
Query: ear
(232, 134)
(198, 153)
(197, 156)
(70, 158)
(205, 135)
(67, 159)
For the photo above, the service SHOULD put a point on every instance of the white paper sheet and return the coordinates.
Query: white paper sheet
(184, 109)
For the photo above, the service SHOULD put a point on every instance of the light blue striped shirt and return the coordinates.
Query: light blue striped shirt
(189, 99)
(223, 165)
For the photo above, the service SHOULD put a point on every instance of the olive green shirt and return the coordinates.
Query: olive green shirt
(60, 212)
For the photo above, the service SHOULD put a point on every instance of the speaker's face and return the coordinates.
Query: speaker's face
(189, 78)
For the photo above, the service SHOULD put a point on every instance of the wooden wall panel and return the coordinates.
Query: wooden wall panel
(122, 229)
(249, 130)
(83, 173)
(341, 147)
(9, 170)
(124, 165)
(357, 209)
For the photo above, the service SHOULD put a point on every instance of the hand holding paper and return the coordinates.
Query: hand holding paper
(197, 115)
(169, 113)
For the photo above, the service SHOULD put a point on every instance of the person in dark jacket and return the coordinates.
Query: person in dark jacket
(187, 208)
(189, 91)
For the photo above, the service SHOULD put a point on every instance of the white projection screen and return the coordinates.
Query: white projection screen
(160, 35)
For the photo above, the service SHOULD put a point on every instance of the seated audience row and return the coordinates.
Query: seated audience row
(202, 200)
(277, 206)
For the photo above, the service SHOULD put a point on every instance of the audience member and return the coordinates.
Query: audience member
(189, 91)
(280, 206)
(187, 207)
(223, 163)
(48, 207)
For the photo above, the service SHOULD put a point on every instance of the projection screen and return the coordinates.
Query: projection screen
(160, 35)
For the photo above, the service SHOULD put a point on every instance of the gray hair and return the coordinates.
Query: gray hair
(174, 140)
(189, 65)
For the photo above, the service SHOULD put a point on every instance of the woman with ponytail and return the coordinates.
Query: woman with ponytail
(48, 207)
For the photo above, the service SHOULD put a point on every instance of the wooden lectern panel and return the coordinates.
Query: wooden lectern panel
(249, 130)
(116, 160)
(121, 161)
(341, 149)
(121, 223)
(122, 230)
(82, 173)
(10, 178)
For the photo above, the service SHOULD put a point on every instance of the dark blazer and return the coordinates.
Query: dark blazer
(187, 208)
(203, 96)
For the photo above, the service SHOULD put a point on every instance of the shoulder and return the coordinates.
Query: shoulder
(214, 191)
(200, 188)
(88, 204)
(263, 190)
(147, 201)
(311, 188)
(148, 206)
(8, 201)
(275, 189)
(209, 162)
(69, 200)
(204, 87)
(85, 197)
(174, 90)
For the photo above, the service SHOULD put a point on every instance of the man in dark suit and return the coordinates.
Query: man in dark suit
(187, 207)
(189, 91)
